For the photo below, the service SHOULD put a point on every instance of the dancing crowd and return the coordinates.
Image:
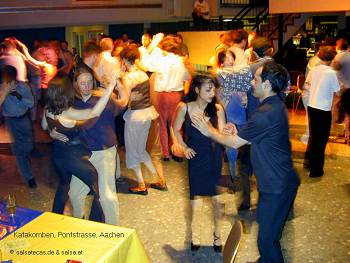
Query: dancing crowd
(169, 111)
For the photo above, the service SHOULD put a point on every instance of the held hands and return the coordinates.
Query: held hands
(58, 136)
(229, 129)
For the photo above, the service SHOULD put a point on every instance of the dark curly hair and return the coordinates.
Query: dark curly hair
(60, 95)
(277, 75)
(197, 82)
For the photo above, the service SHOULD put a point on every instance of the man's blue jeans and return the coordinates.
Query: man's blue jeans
(21, 131)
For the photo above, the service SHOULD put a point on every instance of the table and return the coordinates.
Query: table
(57, 238)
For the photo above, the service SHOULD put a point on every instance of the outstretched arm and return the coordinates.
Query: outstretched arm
(205, 127)
(28, 57)
(79, 115)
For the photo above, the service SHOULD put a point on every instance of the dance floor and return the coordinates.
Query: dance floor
(319, 230)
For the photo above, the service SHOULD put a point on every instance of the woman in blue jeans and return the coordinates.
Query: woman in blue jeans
(72, 156)
(234, 84)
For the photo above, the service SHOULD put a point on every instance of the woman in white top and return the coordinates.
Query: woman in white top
(138, 119)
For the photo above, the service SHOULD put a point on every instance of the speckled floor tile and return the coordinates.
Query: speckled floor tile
(319, 230)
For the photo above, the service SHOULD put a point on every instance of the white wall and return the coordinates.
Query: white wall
(304, 6)
(61, 13)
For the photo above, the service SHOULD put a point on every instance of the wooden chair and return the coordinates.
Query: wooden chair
(298, 92)
(232, 243)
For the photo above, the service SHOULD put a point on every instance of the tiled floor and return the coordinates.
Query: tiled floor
(318, 232)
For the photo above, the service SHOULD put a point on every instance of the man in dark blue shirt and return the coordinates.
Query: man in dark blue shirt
(268, 132)
(16, 99)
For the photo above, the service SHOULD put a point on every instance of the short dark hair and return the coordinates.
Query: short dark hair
(8, 72)
(222, 55)
(130, 53)
(91, 47)
(326, 53)
(342, 44)
(261, 45)
(82, 68)
(277, 75)
(64, 41)
(238, 35)
(60, 94)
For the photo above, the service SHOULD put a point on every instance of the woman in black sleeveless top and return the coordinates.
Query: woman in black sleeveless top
(204, 155)
(71, 157)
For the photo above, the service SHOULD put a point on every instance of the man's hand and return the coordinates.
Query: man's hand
(201, 123)
(229, 129)
(58, 136)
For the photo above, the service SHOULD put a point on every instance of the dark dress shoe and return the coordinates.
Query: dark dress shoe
(159, 186)
(166, 159)
(217, 249)
(243, 208)
(194, 247)
(32, 183)
(315, 175)
(178, 159)
(138, 190)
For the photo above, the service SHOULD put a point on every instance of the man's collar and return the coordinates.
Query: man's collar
(86, 98)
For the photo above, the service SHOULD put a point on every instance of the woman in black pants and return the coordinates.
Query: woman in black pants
(72, 156)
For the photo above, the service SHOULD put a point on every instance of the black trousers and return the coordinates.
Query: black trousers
(272, 212)
(319, 128)
(74, 160)
(245, 171)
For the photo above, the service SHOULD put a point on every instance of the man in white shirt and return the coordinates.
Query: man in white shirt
(170, 75)
(341, 63)
(322, 83)
(200, 13)
(106, 66)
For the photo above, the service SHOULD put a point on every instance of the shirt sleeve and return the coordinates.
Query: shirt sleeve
(255, 129)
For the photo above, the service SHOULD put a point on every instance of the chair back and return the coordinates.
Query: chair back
(232, 243)
(300, 81)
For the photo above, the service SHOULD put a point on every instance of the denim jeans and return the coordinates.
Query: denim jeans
(21, 132)
(235, 113)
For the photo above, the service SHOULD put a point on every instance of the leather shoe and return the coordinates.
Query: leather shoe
(166, 159)
(177, 159)
(159, 186)
(32, 183)
(194, 247)
(138, 190)
(243, 208)
(217, 248)
(314, 175)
